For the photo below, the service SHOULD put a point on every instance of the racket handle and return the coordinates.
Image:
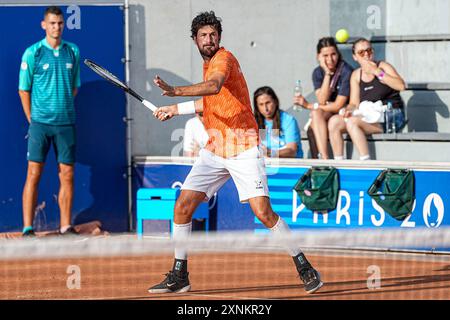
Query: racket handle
(149, 105)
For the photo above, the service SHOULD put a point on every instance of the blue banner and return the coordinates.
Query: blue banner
(355, 208)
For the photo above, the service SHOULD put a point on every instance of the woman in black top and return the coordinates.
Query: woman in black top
(373, 81)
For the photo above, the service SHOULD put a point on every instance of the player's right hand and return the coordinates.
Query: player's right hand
(165, 113)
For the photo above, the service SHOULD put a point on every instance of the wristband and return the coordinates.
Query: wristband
(380, 75)
(315, 106)
(186, 107)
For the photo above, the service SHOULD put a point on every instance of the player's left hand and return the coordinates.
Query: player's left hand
(167, 89)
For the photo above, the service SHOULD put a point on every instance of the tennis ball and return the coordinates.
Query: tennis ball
(342, 35)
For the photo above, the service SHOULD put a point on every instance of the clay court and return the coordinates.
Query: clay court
(232, 277)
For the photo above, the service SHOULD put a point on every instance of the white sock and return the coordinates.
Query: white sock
(64, 228)
(338, 157)
(280, 229)
(363, 158)
(181, 231)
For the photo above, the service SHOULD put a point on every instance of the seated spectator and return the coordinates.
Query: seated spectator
(195, 136)
(377, 82)
(331, 81)
(281, 136)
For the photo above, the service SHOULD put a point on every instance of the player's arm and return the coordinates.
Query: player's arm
(288, 151)
(292, 137)
(390, 77)
(324, 92)
(332, 107)
(25, 98)
(76, 73)
(26, 81)
(354, 93)
(210, 86)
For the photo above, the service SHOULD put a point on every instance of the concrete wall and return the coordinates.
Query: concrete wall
(418, 17)
(283, 34)
(274, 41)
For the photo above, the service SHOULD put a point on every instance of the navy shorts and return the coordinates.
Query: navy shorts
(42, 136)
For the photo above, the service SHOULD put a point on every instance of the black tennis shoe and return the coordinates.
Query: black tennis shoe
(311, 279)
(309, 276)
(174, 282)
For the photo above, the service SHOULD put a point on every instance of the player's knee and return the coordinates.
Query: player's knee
(183, 210)
(333, 123)
(264, 214)
(34, 175)
(66, 176)
(352, 124)
(317, 115)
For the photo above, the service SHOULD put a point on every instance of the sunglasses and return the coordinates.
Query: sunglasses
(361, 52)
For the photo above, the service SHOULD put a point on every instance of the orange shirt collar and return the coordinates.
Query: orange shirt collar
(206, 64)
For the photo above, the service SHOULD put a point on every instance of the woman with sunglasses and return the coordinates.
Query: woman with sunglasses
(331, 81)
(373, 81)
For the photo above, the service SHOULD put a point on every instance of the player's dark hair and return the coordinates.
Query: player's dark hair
(258, 115)
(328, 42)
(53, 10)
(358, 41)
(206, 19)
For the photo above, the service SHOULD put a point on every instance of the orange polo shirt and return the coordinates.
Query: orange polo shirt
(228, 115)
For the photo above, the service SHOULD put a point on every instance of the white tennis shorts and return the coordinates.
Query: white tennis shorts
(210, 172)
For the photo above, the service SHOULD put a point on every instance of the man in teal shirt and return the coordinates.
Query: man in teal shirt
(48, 81)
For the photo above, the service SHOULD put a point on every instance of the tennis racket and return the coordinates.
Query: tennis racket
(102, 72)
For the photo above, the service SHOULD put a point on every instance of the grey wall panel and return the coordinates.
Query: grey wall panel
(159, 45)
(418, 17)
(421, 61)
(427, 110)
(362, 18)
(407, 151)
(396, 150)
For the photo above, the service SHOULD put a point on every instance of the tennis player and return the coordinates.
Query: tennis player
(232, 150)
(48, 82)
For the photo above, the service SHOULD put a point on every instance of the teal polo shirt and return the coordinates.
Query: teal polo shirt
(51, 75)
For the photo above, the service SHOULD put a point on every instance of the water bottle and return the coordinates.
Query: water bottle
(393, 125)
(390, 125)
(297, 92)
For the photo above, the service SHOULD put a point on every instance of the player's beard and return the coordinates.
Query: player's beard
(209, 51)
